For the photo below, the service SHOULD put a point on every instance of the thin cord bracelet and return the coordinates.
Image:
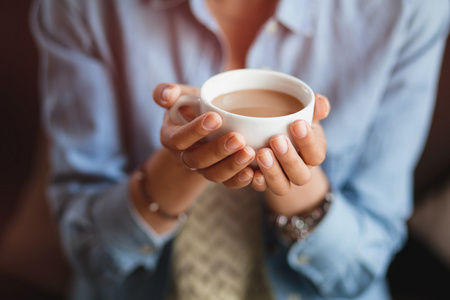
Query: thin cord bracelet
(152, 205)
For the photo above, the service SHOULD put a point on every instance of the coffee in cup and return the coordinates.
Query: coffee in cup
(259, 103)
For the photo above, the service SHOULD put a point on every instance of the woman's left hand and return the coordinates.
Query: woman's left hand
(281, 164)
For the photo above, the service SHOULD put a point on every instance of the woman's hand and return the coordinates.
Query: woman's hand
(281, 164)
(223, 160)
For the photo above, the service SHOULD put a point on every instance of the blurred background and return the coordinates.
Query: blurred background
(32, 265)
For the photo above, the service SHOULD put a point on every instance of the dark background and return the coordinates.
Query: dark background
(31, 263)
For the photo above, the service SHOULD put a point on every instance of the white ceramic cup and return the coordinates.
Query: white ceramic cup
(256, 130)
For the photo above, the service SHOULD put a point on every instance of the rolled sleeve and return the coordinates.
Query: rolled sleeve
(324, 257)
(130, 242)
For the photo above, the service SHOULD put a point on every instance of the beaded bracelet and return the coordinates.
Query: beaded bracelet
(152, 205)
(299, 227)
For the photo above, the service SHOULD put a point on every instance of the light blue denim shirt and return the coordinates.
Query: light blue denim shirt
(377, 61)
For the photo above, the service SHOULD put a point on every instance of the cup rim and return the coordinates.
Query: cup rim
(259, 71)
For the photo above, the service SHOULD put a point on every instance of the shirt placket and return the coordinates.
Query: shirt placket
(262, 53)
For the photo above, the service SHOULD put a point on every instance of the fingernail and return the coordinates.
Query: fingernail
(245, 156)
(280, 144)
(210, 122)
(165, 94)
(266, 159)
(234, 143)
(259, 180)
(245, 176)
(300, 129)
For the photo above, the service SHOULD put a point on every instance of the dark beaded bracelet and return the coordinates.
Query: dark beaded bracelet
(299, 227)
(152, 205)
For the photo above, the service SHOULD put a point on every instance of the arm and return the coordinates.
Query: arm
(103, 236)
(353, 245)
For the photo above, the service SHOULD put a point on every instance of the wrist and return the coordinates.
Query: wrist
(153, 219)
(299, 226)
(152, 205)
(172, 188)
(300, 199)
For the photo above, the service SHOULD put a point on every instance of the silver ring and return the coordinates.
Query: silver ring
(184, 163)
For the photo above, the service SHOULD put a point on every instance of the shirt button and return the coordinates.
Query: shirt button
(294, 297)
(147, 249)
(303, 259)
(271, 27)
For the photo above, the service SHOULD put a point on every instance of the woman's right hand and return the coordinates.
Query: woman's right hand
(224, 160)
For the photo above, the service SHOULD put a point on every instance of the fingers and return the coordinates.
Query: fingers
(223, 160)
(279, 167)
(282, 165)
(226, 159)
(294, 167)
(205, 155)
(165, 94)
(310, 141)
(258, 181)
(274, 177)
(232, 171)
(176, 137)
(241, 179)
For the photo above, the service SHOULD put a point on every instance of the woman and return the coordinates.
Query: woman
(377, 62)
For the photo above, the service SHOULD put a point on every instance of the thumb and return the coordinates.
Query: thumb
(165, 94)
(321, 108)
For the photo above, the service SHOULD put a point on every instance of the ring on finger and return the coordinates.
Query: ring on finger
(184, 163)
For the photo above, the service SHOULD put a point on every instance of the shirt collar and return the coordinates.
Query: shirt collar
(299, 16)
(201, 12)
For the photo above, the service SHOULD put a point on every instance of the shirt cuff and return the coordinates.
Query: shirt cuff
(129, 240)
(326, 252)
